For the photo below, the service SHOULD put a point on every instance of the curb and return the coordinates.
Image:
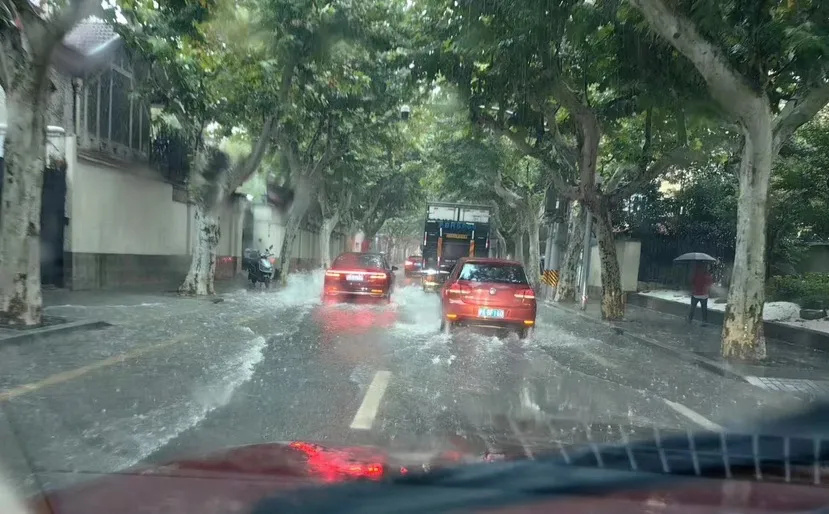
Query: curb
(37, 333)
(707, 364)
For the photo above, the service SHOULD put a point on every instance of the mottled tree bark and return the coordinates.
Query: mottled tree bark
(327, 228)
(566, 291)
(21, 302)
(200, 277)
(742, 335)
(613, 306)
(534, 259)
(303, 193)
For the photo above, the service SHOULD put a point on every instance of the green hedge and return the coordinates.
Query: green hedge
(810, 291)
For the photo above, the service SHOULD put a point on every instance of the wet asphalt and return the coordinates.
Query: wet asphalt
(175, 377)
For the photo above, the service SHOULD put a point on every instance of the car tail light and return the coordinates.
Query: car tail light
(458, 289)
(377, 276)
(332, 274)
(525, 294)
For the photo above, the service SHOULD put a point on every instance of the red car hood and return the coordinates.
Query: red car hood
(232, 480)
(236, 480)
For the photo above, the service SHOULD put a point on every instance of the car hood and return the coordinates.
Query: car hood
(648, 467)
(235, 479)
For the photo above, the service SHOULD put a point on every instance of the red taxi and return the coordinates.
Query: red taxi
(492, 293)
(355, 275)
(413, 265)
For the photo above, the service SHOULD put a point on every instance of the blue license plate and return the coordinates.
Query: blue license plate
(490, 313)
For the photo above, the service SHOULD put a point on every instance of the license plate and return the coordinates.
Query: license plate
(354, 278)
(490, 313)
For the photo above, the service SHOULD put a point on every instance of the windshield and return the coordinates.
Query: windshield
(354, 239)
(359, 260)
(498, 273)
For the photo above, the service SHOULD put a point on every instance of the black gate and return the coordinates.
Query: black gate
(52, 222)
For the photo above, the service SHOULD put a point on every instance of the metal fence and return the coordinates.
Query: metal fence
(656, 261)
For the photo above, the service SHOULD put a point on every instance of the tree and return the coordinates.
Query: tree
(28, 35)
(567, 286)
(553, 78)
(752, 59)
(193, 66)
(346, 79)
(334, 198)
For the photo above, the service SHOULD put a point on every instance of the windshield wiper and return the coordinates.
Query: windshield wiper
(779, 456)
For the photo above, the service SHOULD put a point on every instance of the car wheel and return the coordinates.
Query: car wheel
(445, 327)
(525, 332)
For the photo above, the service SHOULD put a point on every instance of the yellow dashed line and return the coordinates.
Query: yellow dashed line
(65, 376)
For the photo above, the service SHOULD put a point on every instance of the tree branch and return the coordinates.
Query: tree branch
(249, 165)
(798, 111)
(509, 196)
(678, 156)
(727, 86)
(520, 141)
(588, 125)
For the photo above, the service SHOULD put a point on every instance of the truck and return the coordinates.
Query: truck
(452, 230)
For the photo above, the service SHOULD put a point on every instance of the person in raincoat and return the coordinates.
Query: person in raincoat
(701, 281)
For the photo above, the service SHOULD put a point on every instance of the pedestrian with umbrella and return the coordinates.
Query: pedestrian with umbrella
(701, 282)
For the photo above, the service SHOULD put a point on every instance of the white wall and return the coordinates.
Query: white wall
(116, 211)
(627, 253)
(267, 228)
(230, 226)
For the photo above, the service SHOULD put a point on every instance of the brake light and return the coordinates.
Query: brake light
(526, 294)
(333, 274)
(377, 276)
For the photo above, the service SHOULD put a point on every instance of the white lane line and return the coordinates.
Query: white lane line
(694, 416)
(371, 401)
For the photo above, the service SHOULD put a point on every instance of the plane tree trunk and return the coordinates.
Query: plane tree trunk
(613, 306)
(566, 291)
(303, 193)
(327, 228)
(200, 278)
(764, 134)
(27, 41)
(742, 336)
(21, 302)
(534, 259)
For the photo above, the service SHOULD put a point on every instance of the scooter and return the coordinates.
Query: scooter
(261, 269)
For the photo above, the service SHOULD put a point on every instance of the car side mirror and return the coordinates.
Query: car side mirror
(394, 268)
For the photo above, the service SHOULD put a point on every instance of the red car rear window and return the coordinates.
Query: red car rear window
(358, 260)
(493, 272)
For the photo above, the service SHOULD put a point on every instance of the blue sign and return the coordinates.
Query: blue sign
(457, 226)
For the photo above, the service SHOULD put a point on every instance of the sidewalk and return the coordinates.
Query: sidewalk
(799, 370)
(67, 311)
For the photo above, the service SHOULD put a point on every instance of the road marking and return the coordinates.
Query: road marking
(694, 416)
(65, 376)
(371, 401)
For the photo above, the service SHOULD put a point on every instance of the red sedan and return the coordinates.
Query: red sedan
(413, 265)
(491, 293)
(359, 275)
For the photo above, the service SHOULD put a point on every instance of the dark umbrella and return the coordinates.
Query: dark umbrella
(695, 256)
